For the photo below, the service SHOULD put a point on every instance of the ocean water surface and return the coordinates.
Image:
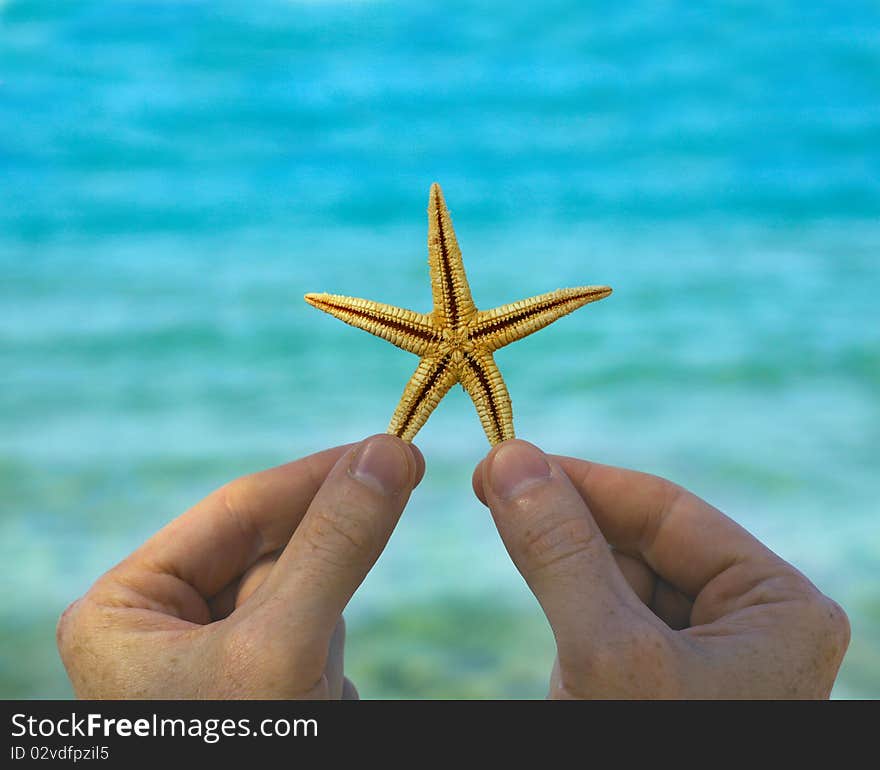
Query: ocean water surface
(175, 176)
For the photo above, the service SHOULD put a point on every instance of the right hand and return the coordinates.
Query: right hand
(653, 593)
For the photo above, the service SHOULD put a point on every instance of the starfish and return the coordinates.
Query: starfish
(456, 341)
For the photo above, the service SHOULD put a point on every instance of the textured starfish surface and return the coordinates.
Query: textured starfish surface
(456, 341)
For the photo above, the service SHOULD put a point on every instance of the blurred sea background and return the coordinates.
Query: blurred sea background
(174, 176)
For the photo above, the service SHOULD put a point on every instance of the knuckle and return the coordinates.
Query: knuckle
(235, 498)
(826, 628)
(553, 541)
(836, 626)
(341, 533)
(232, 493)
(668, 496)
(66, 625)
(776, 584)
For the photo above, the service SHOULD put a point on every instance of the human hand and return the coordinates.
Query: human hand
(653, 593)
(242, 596)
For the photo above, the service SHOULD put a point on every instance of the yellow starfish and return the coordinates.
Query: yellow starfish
(455, 341)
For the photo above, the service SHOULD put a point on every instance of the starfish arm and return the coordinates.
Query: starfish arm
(432, 379)
(405, 328)
(482, 379)
(453, 305)
(493, 329)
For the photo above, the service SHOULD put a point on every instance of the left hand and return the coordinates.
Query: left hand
(242, 596)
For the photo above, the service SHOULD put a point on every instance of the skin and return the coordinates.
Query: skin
(650, 591)
(653, 593)
(242, 596)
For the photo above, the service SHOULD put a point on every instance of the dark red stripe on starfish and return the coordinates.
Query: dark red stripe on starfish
(477, 368)
(395, 323)
(429, 383)
(448, 283)
(499, 324)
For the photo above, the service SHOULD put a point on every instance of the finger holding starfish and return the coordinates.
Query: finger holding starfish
(456, 340)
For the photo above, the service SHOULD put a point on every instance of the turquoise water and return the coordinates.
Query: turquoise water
(175, 176)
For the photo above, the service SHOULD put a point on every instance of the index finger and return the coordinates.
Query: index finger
(217, 539)
(684, 539)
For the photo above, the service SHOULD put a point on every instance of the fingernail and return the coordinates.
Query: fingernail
(515, 467)
(380, 463)
(420, 463)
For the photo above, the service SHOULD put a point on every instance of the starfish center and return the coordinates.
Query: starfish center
(455, 342)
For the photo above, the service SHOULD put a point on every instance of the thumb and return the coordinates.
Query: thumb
(556, 545)
(342, 534)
